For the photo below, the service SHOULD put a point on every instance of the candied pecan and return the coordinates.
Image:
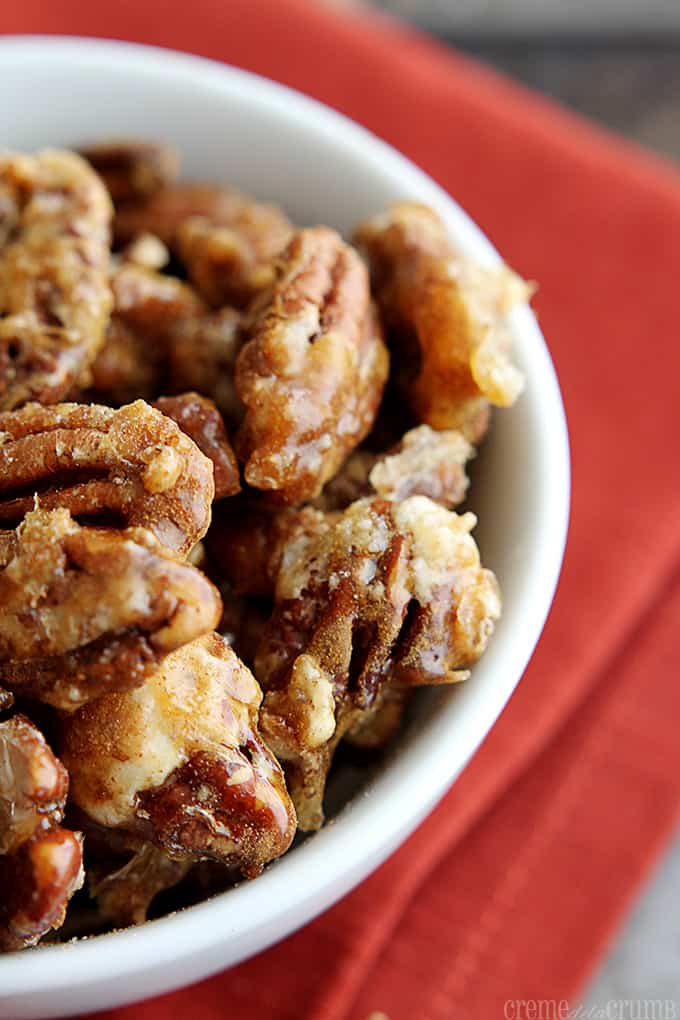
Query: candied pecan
(424, 463)
(36, 884)
(40, 863)
(202, 422)
(180, 761)
(445, 318)
(312, 373)
(127, 367)
(125, 894)
(384, 593)
(33, 784)
(131, 168)
(149, 308)
(225, 238)
(132, 464)
(6, 699)
(55, 298)
(150, 301)
(88, 610)
(202, 357)
(230, 264)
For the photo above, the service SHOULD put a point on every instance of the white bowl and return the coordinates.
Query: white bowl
(323, 168)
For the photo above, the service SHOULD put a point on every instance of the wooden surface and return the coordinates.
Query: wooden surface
(631, 86)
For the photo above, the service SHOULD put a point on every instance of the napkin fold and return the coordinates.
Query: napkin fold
(513, 886)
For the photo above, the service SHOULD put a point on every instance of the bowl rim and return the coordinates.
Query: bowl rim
(122, 954)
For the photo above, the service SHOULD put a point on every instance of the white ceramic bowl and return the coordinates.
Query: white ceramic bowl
(323, 168)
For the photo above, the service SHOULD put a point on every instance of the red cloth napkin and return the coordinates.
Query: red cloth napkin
(516, 882)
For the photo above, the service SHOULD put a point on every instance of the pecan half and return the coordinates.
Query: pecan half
(133, 465)
(386, 593)
(130, 168)
(180, 761)
(125, 893)
(149, 309)
(33, 784)
(36, 884)
(424, 463)
(225, 238)
(445, 317)
(87, 610)
(202, 357)
(202, 422)
(312, 373)
(40, 863)
(231, 264)
(55, 299)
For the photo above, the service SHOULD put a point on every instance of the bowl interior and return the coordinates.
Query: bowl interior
(322, 168)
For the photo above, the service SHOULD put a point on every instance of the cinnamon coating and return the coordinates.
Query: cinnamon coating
(445, 318)
(55, 298)
(132, 465)
(386, 593)
(180, 762)
(312, 373)
(86, 610)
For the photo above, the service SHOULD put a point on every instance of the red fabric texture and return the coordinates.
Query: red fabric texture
(513, 886)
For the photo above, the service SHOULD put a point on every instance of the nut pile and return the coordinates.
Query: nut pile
(230, 453)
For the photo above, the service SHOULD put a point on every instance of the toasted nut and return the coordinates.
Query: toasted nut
(180, 761)
(202, 422)
(132, 464)
(40, 863)
(33, 784)
(150, 309)
(312, 373)
(131, 168)
(36, 884)
(386, 593)
(88, 610)
(55, 298)
(125, 894)
(230, 264)
(225, 238)
(423, 463)
(445, 318)
(202, 357)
